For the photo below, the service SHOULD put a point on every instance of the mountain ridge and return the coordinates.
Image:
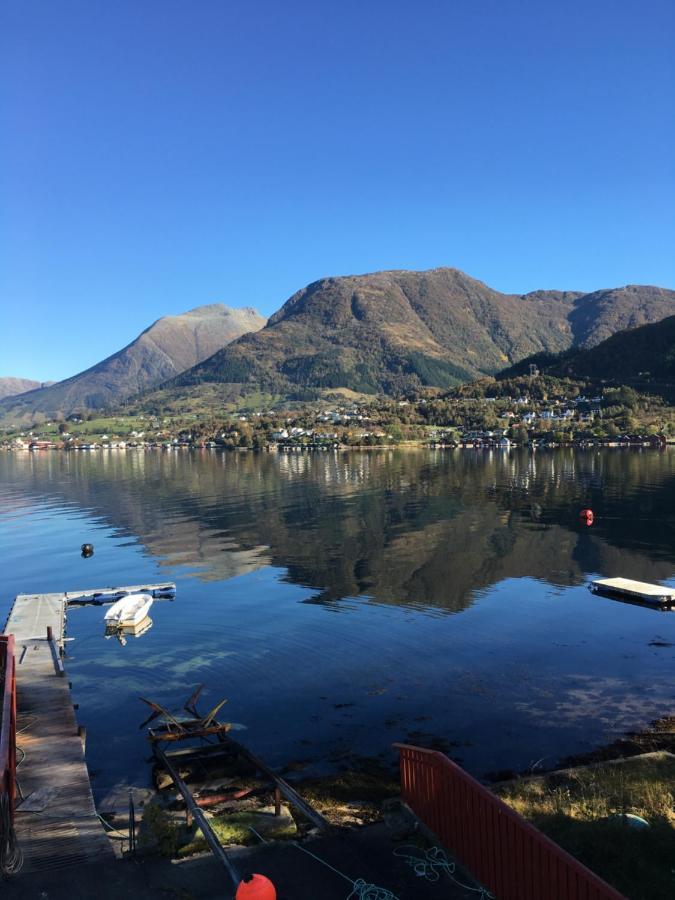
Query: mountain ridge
(644, 354)
(165, 348)
(390, 332)
(398, 330)
(12, 386)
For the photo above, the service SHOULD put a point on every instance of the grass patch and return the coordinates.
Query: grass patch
(235, 828)
(160, 833)
(354, 794)
(582, 810)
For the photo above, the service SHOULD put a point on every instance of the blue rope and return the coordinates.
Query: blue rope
(430, 866)
(433, 864)
(361, 890)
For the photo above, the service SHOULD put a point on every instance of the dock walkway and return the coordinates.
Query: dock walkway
(56, 821)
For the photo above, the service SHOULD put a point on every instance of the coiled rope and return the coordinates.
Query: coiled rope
(11, 856)
(363, 891)
(432, 864)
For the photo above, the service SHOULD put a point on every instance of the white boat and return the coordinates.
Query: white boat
(129, 610)
(122, 632)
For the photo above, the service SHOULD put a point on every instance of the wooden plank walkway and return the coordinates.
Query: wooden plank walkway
(56, 822)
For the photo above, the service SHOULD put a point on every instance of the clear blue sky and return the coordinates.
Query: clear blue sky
(165, 154)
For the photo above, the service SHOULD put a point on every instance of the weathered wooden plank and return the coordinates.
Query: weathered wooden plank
(59, 825)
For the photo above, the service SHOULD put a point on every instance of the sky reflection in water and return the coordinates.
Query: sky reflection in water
(344, 602)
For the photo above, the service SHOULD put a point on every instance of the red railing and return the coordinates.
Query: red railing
(501, 850)
(8, 719)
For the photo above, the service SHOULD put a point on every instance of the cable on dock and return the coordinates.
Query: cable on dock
(11, 856)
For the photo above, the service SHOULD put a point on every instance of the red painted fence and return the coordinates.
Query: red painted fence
(8, 719)
(501, 850)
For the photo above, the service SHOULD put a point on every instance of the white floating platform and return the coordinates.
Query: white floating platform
(656, 594)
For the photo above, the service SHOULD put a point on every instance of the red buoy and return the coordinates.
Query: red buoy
(256, 887)
(587, 516)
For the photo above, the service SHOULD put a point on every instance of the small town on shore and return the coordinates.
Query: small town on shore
(532, 412)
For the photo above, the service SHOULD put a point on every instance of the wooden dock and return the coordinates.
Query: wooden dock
(640, 591)
(56, 821)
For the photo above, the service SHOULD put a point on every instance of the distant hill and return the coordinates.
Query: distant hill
(400, 330)
(644, 354)
(168, 347)
(10, 387)
(598, 315)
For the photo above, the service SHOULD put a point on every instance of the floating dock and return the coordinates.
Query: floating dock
(635, 591)
(56, 821)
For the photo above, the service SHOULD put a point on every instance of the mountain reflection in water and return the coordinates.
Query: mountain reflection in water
(395, 540)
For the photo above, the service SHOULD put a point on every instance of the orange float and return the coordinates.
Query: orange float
(256, 887)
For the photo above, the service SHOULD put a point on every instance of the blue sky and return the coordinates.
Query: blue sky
(164, 154)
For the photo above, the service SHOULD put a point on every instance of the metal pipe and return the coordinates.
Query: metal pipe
(283, 786)
(132, 824)
(56, 655)
(199, 817)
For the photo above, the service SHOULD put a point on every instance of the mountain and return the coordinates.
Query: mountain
(399, 330)
(644, 354)
(10, 387)
(598, 315)
(168, 347)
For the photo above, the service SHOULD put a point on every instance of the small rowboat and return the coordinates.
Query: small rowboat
(122, 632)
(129, 610)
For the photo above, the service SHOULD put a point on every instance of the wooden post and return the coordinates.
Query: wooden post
(58, 661)
(132, 824)
(277, 802)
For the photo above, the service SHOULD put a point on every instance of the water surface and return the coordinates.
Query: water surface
(345, 601)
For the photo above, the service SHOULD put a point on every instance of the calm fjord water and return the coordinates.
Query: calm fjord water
(343, 602)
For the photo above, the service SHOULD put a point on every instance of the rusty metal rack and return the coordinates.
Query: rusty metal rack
(214, 739)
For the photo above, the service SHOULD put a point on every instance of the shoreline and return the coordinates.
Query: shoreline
(344, 448)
